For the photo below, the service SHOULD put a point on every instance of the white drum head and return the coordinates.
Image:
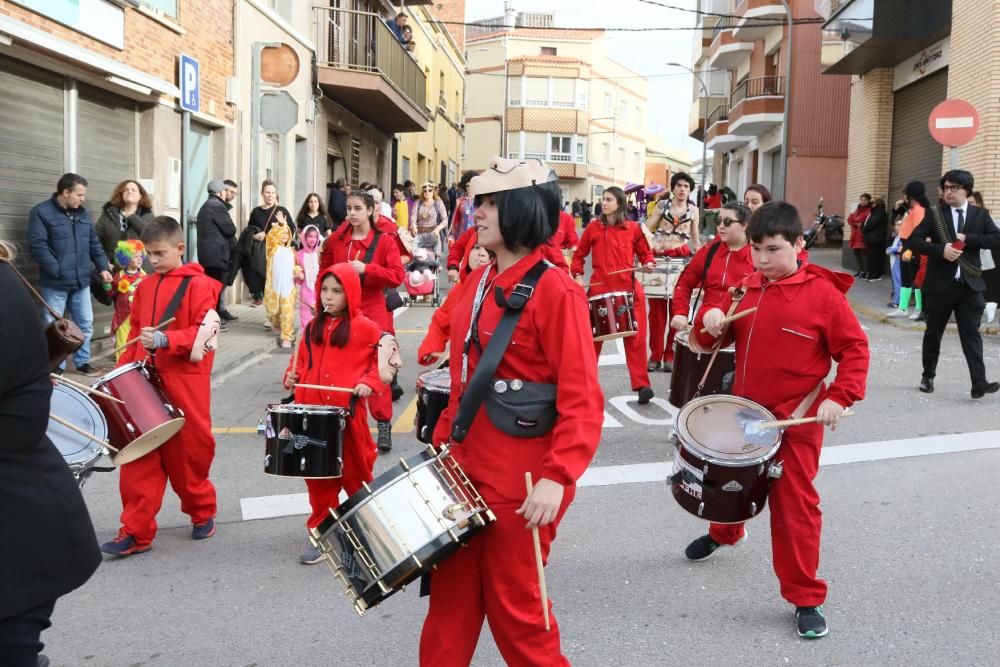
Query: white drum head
(722, 429)
(75, 407)
(437, 381)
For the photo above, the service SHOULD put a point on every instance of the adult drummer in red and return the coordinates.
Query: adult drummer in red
(674, 224)
(551, 354)
(717, 266)
(613, 245)
(784, 352)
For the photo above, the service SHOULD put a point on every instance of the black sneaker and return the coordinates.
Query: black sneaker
(223, 326)
(653, 366)
(226, 316)
(705, 547)
(384, 436)
(87, 369)
(811, 622)
(645, 393)
(203, 530)
(397, 391)
(668, 367)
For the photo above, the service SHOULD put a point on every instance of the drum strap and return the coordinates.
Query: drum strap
(712, 249)
(475, 393)
(737, 297)
(175, 300)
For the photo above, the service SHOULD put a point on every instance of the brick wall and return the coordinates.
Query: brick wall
(974, 76)
(869, 143)
(454, 12)
(152, 47)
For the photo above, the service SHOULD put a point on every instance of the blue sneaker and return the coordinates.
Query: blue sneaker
(203, 530)
(811, 622)
(124, 545)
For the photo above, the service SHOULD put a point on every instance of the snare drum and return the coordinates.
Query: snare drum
(146, 420)
(612, 315)
(433, 391)
(723, 466)
(305, 441)
(400, 525)
(689, 366)
(79, 452)
(660, 282)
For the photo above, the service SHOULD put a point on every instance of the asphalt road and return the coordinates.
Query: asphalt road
(910, 548)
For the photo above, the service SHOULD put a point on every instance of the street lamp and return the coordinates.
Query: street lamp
(781, 194)
(704, 140)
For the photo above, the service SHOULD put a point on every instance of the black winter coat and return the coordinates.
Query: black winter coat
(113, 227)
(876, 228)
(216, 236)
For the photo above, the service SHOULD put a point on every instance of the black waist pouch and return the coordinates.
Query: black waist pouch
(522, 409)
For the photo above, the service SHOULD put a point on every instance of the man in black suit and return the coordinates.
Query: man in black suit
(954, 282)
(47, 542)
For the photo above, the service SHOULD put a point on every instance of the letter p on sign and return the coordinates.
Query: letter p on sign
(187, 77)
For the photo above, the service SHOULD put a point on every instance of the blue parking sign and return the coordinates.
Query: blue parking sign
(187, 76)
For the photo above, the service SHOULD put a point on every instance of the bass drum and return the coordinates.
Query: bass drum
(79, 452)
(689, 367)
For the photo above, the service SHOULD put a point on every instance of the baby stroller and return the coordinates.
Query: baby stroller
(421, 278)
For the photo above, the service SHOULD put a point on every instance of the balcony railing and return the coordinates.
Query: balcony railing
(761, 86)
(720, 112)
(723, 25)
(362, 42)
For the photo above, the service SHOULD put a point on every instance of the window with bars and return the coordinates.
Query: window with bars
(355, 161)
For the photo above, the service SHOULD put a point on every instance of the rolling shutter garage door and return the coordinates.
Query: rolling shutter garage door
(915, 154)
(31, 149)
(106, 156)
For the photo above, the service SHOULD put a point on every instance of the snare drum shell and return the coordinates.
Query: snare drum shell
(729, 494)
(304, 441)
(689, 366)
(433, 390)
(612, 315)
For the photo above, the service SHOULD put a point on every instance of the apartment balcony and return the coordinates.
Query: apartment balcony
(363, 67)
(718, 137)
(565, 165)
(555, 120)
(726, 51)
(696, 117)
(757, 105)
(757, 18)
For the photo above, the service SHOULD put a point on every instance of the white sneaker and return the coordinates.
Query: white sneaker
(914, 315)
(991, 311)
(896, 312)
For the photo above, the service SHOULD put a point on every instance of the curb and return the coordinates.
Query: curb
(902, 323)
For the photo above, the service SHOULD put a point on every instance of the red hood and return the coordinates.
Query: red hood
(349, 279)
(842, 281)
(189, 269)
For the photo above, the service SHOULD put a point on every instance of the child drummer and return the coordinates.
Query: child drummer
(784, 351)
(183, 460)
(338, 348)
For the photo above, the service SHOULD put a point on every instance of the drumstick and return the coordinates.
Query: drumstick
(158, 327)
(79, 430)
(733, 318)
(782, 423)
(356, 256)
(538, 560)
(631, 268)
(324, 387)
(83, 387)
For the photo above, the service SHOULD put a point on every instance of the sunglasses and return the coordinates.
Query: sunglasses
(726, 222)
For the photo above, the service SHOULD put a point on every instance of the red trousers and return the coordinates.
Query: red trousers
(359, 461)
(635, 346)
(184, 460)
(796, 520)
(660, 313)
(494, 578)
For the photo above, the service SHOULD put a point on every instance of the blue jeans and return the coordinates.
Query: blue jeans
(81, 310)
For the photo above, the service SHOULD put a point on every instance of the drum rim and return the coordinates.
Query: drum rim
(426, 458)
(682, 338)
(607, 294)
(280, 408)
(443, 372)
(118, 372)
(93, 447)
(708, 458)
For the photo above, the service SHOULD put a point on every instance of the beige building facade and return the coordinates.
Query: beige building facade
(566, 103)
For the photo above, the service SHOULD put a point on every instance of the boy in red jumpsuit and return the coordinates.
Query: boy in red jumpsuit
(495, 577)
(351, 244)
(338, 348)
(183, 460)
(784, 352)
(613, 244)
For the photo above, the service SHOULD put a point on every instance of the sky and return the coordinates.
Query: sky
(644, 52)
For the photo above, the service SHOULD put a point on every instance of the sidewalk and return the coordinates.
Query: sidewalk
(869, 299)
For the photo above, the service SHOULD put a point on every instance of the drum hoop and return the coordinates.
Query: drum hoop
(375, 486)
(607, 294)
(682, 338)
(435, 374)
(283, 408)
(118, 372)
(93, 448)
(683, 441)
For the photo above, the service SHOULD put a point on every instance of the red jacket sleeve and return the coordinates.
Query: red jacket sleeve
(439, 330)
(705, 339)
(371, 377)
(689, 279)
(582, 250)
(386, 269)
(848, 345)
(326, 257)
(457, 250)
(642, 249)
(554, 255)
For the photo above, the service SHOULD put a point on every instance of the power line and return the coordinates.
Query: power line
(754, 24)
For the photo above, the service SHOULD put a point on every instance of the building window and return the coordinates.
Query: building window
(581, 151)
(536, 91)
(548, 50)
(166, 7)
(606, 153)
(514, 91)
(635, 160)
(623, 112)
(638, 116)
(608, 105)
(563, 91)
(406, 169)
(621, 157)
(534, 145)
(355, 160)
(561, 148)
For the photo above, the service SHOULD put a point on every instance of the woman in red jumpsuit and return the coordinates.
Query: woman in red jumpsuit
(495, 577)
(613, 245)
(374, 256)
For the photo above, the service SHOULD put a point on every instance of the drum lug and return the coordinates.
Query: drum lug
(449, 511)
(760, 470)
(776, 470)
(704, 470)
(701, 508)
(267, 460)
(753, 509)
(302, 464)
(260, 427)
(131, 429)
(305, 421)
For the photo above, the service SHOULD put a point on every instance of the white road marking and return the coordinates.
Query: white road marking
(269, 507)
(399, 311)
(622, 403)
(610, 422)
(616, 358)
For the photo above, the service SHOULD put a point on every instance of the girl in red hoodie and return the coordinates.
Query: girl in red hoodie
(375, 259)
(338, 348)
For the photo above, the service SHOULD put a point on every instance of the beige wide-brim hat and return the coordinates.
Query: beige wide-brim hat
(507, 174)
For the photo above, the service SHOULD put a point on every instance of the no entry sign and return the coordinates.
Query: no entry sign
(953, 123)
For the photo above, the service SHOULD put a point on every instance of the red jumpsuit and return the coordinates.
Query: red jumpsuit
(565, 237)
(356, 362)
(495, 577)
(783, 351)
(614, 247)
(727, 268)
(186, 458)
(384, 271)
(662, 310)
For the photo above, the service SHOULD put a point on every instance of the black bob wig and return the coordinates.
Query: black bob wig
(529, 216)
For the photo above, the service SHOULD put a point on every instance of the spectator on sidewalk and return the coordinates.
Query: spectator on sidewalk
(337, 207)
(64, 242)
(314, 213)
(875, 231)
(857, 244)
(913, 206)
(217, 241)
(988, 259)
(123, 217)
(894, 249)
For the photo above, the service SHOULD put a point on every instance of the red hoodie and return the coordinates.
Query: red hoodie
(612, 248)
(384, 271)
(727, 268)
(803, 323)
(151, 299)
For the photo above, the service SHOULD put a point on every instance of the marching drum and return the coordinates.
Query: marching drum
(305, 441)
(660, 282)
(146, 420)
(612, 315)
(433, 391)
(399, 526)
(79, 452)
(689, 367)
(723, 465)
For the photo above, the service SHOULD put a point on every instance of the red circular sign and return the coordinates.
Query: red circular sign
(953, 123)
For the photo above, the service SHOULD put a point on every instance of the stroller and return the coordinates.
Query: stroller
(421, 279)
